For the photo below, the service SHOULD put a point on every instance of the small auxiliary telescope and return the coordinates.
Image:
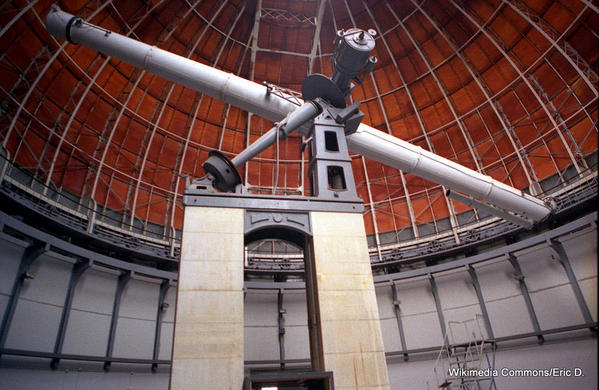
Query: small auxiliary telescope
(352, 56)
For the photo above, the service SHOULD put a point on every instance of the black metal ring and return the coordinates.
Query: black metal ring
(68, 28)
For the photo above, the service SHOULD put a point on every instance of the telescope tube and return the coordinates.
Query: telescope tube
(294, 120)
(490, 209)
(225, 86)
(255, 98)
(399, 154)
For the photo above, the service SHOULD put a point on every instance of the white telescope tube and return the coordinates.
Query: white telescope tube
(399, 154)
(525, 223)
(307, 112)
(224, 86)
(255, 98)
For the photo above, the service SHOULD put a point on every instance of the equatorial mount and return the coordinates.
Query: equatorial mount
(320, 93)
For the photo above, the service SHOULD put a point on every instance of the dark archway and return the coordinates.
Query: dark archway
(303, 239)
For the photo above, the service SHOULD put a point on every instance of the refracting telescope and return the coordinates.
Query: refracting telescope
(352, 56)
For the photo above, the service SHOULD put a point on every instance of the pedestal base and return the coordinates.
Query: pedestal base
(345, 333)
(352, 342)
(208, 339)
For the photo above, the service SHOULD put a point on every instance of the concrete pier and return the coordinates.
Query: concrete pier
(352, 341)
(208, 339)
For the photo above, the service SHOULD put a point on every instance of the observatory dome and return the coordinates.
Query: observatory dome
(96, 155)
(505, 88)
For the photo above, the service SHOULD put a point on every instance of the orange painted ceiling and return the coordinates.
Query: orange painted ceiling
(505, 87)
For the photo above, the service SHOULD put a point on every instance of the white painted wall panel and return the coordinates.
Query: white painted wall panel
(19, 379)
(260, 308)
(556, 307)
(455, 289)
(166, 341)
(505, 304)
(140, 300)
(134, 338)
(581, 248)
(415, 296)
(509, 316)
(541, 269)
(95, 291)
(297, 310)
(580, 353)
(391, 339)
(122, 380)
(297, 342)
(34, 326)
(497, 279)
(410, 375)
(422, 330)
(419, 314)
(50, 283)
(87, 333)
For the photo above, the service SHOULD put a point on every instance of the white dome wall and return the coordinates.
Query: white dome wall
(37, 316)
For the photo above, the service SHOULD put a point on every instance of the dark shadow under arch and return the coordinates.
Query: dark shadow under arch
(281, 233)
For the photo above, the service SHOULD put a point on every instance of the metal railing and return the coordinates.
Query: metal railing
(72, 212)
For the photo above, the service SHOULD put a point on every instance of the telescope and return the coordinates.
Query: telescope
(350, 59)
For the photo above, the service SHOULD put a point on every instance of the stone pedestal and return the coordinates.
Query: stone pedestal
(208, 338)
(351, 337)
(343, 318)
